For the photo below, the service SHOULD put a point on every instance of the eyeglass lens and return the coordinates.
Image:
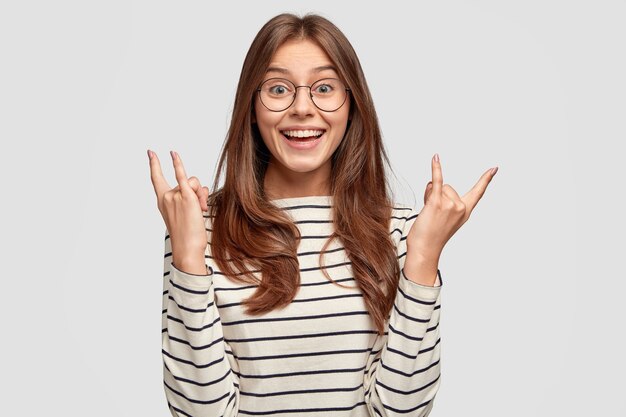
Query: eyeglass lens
(278, 94)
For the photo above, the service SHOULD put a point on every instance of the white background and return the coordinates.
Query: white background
(533, 313)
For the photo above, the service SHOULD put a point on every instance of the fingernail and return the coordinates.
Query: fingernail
(494, 170)
(149, 155)
(173, 154)
(436, 157)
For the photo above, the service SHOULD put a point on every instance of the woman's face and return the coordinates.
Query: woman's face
(299, 167)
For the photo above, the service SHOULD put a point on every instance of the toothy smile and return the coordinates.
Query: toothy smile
(302, 134)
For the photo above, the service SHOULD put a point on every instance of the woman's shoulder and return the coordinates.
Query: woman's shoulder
(402, 210)
(402, 216)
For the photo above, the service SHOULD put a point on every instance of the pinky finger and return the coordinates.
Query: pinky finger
(205, 197)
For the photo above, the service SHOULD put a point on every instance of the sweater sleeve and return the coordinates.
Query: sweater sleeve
(197, 376)
(404, 376)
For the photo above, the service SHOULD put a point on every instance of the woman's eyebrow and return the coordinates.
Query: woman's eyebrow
(286, 71)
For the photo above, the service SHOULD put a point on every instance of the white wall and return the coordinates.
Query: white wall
(533, 313)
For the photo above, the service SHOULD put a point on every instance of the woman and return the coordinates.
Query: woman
(303, 290)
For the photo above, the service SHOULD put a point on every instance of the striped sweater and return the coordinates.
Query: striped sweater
(320, 356)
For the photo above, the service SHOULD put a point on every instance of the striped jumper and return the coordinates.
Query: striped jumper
(319, 356)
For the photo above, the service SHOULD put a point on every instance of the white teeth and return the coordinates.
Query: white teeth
(302, 133)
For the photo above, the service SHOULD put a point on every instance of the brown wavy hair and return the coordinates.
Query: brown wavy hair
(361, 200)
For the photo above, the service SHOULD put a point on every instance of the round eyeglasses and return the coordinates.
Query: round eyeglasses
(278, 94)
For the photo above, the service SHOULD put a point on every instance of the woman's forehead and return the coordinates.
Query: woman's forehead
(300, 56)
(281, 69)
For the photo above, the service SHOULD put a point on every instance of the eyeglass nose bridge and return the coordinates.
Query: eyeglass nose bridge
(295, 94)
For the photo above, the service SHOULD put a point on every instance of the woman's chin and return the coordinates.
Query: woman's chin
(302, 166)
(302, 169)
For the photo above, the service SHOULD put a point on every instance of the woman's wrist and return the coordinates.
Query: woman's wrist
(420, 265)
(195, 265)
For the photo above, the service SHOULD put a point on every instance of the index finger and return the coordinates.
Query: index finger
(472, 197)
(437, 175)
(181, 175)
(156, 175)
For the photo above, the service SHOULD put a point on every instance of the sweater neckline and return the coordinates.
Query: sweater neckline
(308, 199)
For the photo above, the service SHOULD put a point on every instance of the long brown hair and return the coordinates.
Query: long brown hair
(361, 195)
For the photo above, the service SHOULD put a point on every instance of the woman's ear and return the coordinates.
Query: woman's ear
(351, 112)
(253, 110)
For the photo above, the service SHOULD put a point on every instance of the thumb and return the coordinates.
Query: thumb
(194, 183)
(429, 189)
(204, 196)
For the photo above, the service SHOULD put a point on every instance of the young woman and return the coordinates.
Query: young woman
(303, 289)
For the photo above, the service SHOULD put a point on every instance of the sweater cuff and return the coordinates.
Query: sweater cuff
(191, 282)
(423, 292)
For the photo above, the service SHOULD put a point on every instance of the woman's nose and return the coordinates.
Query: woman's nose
(303, 103)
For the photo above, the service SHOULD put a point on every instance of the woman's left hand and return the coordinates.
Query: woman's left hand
(444, 212)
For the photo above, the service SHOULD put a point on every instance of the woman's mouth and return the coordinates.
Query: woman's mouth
(303, 139)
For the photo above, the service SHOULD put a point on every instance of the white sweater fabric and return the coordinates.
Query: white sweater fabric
(319, 356)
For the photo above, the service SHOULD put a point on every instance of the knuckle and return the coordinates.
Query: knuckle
(188, 196)
(163, 205)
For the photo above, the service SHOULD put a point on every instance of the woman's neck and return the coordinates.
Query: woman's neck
(286, 183)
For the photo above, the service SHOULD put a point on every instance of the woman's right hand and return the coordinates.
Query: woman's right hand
(181, 208)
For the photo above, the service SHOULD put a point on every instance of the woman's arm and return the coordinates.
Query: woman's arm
(197, 376)
(404, 377)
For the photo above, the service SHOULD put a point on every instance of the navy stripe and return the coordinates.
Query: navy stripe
(193, 329)
(297, 318)
(300, 373)
(399, 352)
(192, 400)
(178, 410)
(200, 384)
(191, 310)
(415, 300)
(405, 411)
(301, 391)
(300, 336)
(186, 342)
(409, 392)
(301, 410)
(189, 290)
(188, 362)
(409, 374)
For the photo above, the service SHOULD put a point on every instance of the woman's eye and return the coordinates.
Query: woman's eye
(279, 89)
(324, 88)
